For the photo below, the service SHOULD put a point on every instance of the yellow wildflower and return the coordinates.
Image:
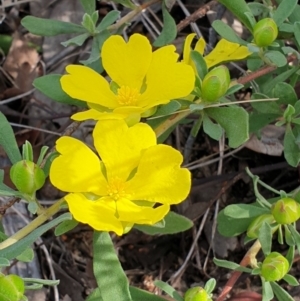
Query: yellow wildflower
(141, 80)
(223, 52)
(120, 189)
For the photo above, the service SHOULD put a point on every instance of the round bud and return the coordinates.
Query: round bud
(196, 294)
(11, 287)
(286, 211)
(215, 84)
(256, 224)
(27, 176)
(274, 267)
(265, 32)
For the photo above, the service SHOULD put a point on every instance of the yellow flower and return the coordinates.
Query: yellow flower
(224, 51)
(121, 188)
(141, 80)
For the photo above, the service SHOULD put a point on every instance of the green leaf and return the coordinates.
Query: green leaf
(8, 140)
(213, 130)
(291, 280)
(291, 149)
(4, 262)
(210, 285)
(267, 291)
(233, 89)
(95, 296)
(240, 211)
(235, 121)
(88, 23)
(238, 8)
(229, 227)
(89, 6)
(65, 227)
(280, 293)
(295, 235)
(284, 10)
(78, 40)
(200, 63)
(169, 31)
(285, 92)
(26, 256)
(276, 57)
(297, 32)
(257, 8)
(167, 109)
(11, 288)
(267, 107)
(51, 87)
(141, 295)
(108, 20)
(230, 265)
(265, 238)
(290, 255)
(168, 289)
(174, 223)
(41, 281)
(226, 32)
(106, 262)
(47, 27)
(17, 248)
(126, 3)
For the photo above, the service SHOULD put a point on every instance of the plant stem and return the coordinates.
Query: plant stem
(33, 225)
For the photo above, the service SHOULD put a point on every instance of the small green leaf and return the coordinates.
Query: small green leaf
(78, 40)
(126, 3)
(213, 130)
(41, 281)
(235, 121)
(4, 262)
(11, 288)
(265, 238)
(8, 140)
(284, 10)
(295, 235)
(288, 113)
(200, 63)
(280, 293)
(226, 32)
(291, 149)
(89, 6)
(285, 92)
(106, 262)
(233, 89)
(47, 27)
(230, 265)
(290, 255)
(210, 285)
(141, 295)
(240, 211)
(174, 223)
(267, 291)
(297, 32)
(168, 289)
(276, 57)
(257, 8)
(167, 109)
(169, 31)
(88, 23)
(65, 227)
(291, 280)
(108, 20)
(26, 256)
(51, 87)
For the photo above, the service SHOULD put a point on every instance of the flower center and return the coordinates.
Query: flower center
(116, 189)
(127, 96)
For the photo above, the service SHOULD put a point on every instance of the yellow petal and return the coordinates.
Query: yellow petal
(127, 63)
(132, 213)
(159, 177)
(120, 147)
(166, 79)
(77, 169)
(99, 214)
(86, 84)
(95, 115)
(187, 48)
(225, 51)
(200, 45)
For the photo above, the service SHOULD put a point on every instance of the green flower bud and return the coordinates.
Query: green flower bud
(265, 32)
(27, 176)
(274, 267)
(215, 84)
(196, 294)
(286, 211)
(256, 224)
(11, 287)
